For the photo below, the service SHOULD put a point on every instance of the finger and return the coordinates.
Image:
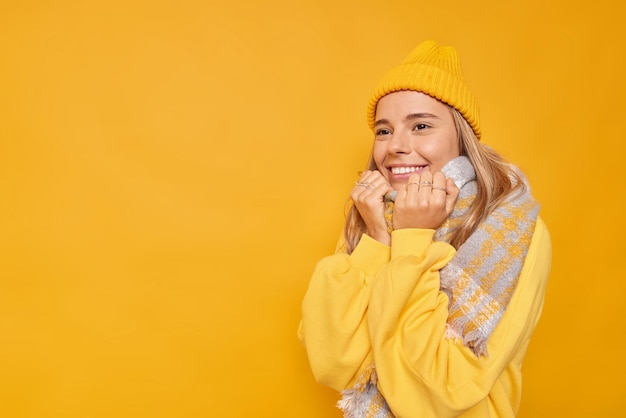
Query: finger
(439, 190)
(452, 193)
(362, 181)
(439, 181)
(371, 177)
(401, 193)
(426, 178)
(361, 184)
(371, 187)
(412, 188)
(372, 180)
(426, 188)
(380, 188)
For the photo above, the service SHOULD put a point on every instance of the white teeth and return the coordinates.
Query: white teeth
(403, 170)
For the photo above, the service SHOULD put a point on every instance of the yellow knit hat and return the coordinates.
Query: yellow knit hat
(434, 70)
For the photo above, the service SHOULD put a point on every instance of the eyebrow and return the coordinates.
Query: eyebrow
(409, 117)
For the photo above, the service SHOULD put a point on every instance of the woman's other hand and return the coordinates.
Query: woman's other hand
(426, 201)
(368, 196)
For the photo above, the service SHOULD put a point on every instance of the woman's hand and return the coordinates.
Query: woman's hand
(426, 201)
(368, 197)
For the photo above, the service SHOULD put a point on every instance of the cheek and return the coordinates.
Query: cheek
(379, 153)
(446, 156)
(453, 151)
(443, 149)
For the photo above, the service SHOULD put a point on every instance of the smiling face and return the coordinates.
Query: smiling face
(414, 133)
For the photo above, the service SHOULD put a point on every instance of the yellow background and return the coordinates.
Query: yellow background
(170, 172)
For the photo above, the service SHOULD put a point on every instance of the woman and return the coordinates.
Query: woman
(428, 307)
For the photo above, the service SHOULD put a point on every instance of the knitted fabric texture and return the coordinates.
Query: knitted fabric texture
(479, 280)
(434, 70)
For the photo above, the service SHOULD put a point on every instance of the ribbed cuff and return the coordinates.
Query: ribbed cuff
(370, 255)
(410, 241)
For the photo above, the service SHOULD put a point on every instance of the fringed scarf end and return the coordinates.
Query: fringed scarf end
(363, 397)
(475, 342)
(478, 344)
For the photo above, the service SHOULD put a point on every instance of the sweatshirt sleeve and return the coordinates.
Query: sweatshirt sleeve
(334, 312)
(417, 366)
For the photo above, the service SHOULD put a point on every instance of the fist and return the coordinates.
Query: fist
(426, 201)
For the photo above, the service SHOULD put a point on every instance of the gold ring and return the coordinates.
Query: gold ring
(412, 182)
(439, 188)
(426, 184)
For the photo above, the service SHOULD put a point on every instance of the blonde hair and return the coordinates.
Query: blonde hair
(495, 177)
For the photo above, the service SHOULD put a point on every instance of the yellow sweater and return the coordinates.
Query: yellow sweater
(383, 305)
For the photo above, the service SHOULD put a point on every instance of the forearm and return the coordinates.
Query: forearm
(334, 313)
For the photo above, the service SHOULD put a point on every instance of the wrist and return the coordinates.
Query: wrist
(381, 236)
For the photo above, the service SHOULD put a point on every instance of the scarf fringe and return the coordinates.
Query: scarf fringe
(364, 399)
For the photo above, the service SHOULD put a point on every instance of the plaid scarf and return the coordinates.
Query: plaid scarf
(479, 280)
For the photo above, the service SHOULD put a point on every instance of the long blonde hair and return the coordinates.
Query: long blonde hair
(496, 181)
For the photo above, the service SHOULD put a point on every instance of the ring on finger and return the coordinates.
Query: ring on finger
(370, 187)
(412, 182)
(426, 184)
(443, 189)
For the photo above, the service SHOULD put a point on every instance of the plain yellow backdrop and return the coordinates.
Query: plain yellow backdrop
(170, 172)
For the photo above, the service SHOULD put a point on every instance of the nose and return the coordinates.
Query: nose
(399, 143)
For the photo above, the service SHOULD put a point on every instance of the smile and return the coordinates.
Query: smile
(406, 170)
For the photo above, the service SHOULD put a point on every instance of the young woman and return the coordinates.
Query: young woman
(428, 307)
